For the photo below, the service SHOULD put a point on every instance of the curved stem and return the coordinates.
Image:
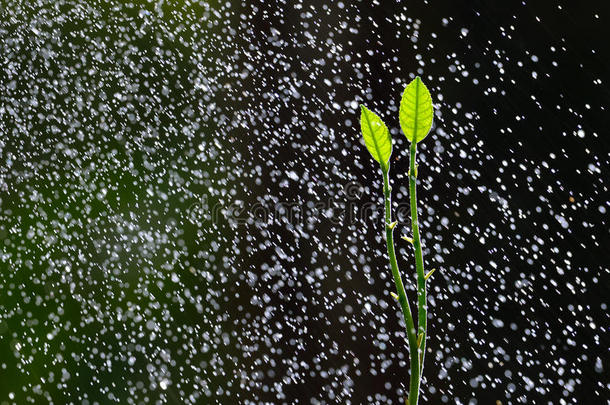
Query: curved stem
(422, 307)
(402, 295)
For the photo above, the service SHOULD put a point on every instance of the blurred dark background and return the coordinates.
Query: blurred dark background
(148, 152)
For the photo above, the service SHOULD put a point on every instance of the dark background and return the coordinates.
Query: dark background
(144, 151)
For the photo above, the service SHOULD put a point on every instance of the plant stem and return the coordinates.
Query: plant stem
(422, 307)
(402, 295)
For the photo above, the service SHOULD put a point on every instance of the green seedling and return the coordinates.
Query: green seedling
(415, 117)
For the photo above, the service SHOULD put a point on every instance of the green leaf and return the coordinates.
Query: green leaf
(376, 137)
(416, 111)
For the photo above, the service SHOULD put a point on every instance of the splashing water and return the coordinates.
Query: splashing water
(188, 214)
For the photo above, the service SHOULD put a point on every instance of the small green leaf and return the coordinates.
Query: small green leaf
(416, 111)
(427, 276)
(376, 137)
(407, 239)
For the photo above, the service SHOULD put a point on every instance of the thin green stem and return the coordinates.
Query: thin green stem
(402, 295)
(422, 306)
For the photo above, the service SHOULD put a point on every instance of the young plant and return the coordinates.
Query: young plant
(415, 116)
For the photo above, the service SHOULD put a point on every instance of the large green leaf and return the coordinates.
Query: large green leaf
(376, 137)
(416, 111)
